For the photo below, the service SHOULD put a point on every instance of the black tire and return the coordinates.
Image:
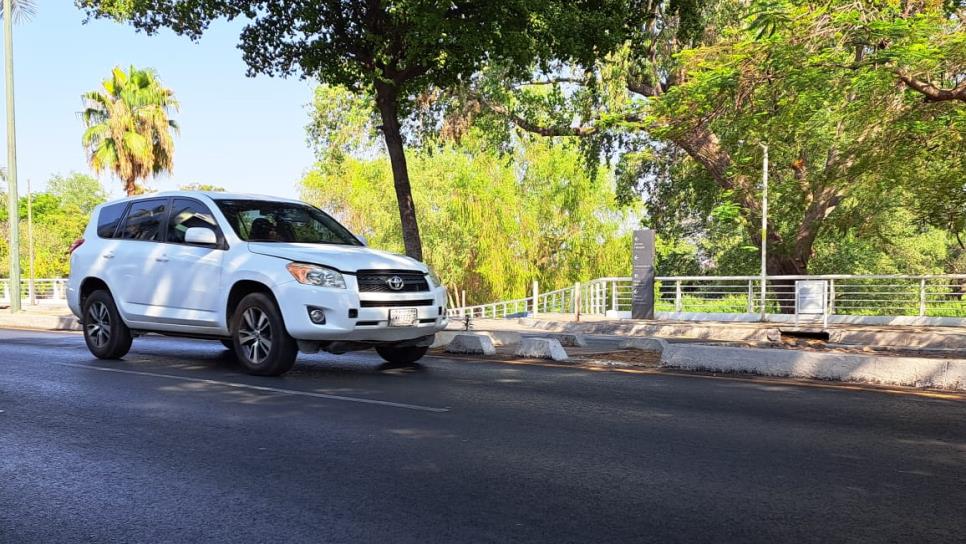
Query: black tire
(401, 356)
(229, 343)
(106, 335)
(256, 322)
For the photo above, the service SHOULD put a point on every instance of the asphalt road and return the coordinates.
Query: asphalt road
(174, 445)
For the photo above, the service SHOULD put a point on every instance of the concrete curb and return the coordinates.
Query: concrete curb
(934, 339)
(905, 371)
(45, 322)
(733, 332)
(569, 340)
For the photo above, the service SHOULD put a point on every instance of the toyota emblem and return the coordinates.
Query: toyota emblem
(395, 283)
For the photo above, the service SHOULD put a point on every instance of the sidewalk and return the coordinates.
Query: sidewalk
(42, 317)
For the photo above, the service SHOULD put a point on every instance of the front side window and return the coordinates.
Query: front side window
(265, 221)
(144, 221)
(108, 218)
(185, 214)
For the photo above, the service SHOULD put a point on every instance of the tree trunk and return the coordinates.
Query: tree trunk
(386, 100)
(131, 187)
(784, 290)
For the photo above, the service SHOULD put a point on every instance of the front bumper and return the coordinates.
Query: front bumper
(371, 324)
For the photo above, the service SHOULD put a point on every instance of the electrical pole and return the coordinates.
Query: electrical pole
(12, 198)
(764, 228)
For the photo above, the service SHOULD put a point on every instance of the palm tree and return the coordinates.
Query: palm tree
(22, 10)
(129, 131)
(13, 10)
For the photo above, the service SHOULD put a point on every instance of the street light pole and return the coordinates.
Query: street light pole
(12, 198)
(31, 281)
(764, 227)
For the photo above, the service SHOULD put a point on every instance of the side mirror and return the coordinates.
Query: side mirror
(201, 236)
(362, 239)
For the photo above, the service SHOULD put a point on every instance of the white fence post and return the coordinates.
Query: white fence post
(751, 296)
(678, 303)
(922, 297)
(613, 295)
(831, 297)
(536, 298)
(577, 300)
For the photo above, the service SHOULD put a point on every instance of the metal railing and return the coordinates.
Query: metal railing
(40, 291)
(899, 299)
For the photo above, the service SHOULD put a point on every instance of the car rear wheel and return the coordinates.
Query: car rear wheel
(260, 341)
(402, 355)
(105, 333)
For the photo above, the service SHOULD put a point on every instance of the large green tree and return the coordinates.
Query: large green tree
(842, 91)
(393, 49)
(129, 129)
(492, 221)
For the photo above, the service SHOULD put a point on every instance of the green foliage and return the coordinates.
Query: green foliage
(59, 217)
(205, 187)
(491, 222)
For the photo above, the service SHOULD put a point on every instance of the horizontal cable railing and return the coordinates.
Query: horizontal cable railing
(860, 296)
(925, 296)
(41, 291)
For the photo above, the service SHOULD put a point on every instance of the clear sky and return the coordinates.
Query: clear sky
(245, 134)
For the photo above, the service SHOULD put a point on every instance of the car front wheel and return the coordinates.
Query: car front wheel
(261, 343)
(105, 333)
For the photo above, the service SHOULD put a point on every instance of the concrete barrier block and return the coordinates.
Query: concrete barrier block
(477, 344)
(645, 344)
(570, 340)
(541, 348)
(498, 338)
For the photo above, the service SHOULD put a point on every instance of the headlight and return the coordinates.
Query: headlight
(433, 277)
(311, 274)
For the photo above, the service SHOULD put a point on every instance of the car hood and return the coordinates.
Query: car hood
(343, 258)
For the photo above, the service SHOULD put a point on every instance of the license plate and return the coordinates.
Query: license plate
(402, 317)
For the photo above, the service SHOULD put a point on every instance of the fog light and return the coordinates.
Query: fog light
(317, 316)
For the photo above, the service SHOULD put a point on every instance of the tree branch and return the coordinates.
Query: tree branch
(932, 92)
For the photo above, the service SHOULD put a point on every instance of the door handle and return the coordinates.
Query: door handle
(162, 259)
(107, 255)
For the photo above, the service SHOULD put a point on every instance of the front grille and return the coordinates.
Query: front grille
(377, 281)
(395, 303)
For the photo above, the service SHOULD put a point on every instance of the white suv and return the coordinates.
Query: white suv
(267, 277)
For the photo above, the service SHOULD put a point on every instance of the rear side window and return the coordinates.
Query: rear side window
(108, 219)
(186, 214)
(144, 221)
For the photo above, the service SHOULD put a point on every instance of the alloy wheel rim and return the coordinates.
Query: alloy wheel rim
(255, 335)
(98, 326)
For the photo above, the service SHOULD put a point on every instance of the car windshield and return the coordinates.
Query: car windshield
(265, 221)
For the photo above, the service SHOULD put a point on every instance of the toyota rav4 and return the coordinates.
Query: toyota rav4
(267, 277)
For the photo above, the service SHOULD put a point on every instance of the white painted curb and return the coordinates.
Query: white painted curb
(905, 371)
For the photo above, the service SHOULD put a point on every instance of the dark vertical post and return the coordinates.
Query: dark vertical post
(642, 274)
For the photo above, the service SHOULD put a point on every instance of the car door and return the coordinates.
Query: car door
(189, 275)
(132, 271)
